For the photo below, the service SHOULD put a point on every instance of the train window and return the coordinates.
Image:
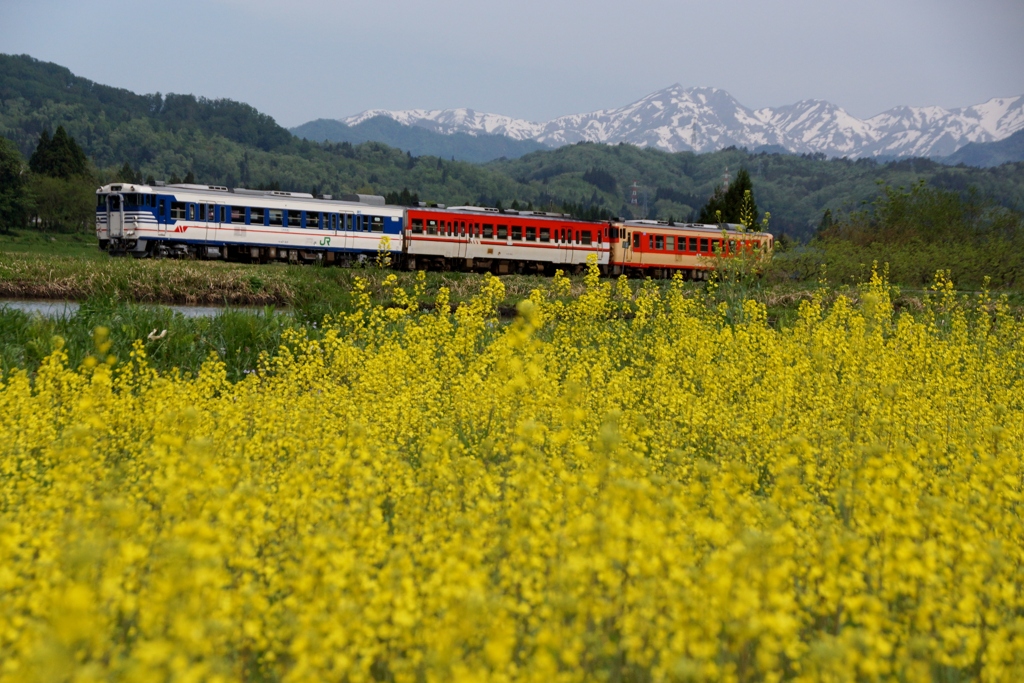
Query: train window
(257, 216)
(191, 211)
(545, 234)
(462, 228)
(693, 244)
(211, 212)
(502, 232)
(488, 230)
(162, 209)
(670, 243)
(313, 220)
(294, 218)
(585, 237)
(732, 246)
(237, 214)
(517, 232)
(417, 226)
(431, 227)
(636, 240)
(703, 245)
(531, 234)
(276, 217)
(650, 241)
(377, 223)
(178, 211)
(225, 214)
(659, 242)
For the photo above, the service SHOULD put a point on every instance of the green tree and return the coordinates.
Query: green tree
(62, 204)
(59, 156)
(13, 200)
(714, 210)
(733, 205)
(129, 175)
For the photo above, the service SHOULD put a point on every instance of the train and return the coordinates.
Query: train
(216, 222)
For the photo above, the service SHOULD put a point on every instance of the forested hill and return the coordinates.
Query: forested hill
(229, 143)
(419, 141)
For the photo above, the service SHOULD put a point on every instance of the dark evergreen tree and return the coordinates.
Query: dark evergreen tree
(13, 202)
(734, 199)
(59, 156)
(602, 180)
(190, 178)
(729, 202)
(826, 222)
(714, 210)
(129, 175)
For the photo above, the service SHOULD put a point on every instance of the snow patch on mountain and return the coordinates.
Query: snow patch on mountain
(680, 119)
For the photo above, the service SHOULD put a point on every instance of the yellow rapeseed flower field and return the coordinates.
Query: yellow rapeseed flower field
(621, 488)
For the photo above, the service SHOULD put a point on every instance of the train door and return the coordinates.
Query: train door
(462, 239)
(214, 223)
(568, 242)
(355, 233)
(162, 216)
(115, 216)
(197, 214)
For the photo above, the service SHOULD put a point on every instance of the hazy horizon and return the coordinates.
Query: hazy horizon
(318, 59)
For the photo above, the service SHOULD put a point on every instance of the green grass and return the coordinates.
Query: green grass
(45, 244)
(171, 340)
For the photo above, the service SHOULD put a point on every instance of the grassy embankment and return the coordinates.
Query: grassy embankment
(262, 301)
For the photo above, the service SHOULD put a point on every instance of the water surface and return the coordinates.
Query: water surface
(60, 309)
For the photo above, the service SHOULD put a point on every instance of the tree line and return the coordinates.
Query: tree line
(54, 191)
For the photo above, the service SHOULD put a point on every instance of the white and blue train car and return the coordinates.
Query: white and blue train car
(208, 221)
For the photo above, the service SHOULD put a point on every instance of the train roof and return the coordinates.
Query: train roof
(219, 191)
(701, 227)
(489, 211)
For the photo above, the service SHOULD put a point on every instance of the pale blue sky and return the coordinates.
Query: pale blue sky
(533, 59)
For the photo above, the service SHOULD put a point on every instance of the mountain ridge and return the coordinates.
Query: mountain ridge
(417, 140)
(677, 119)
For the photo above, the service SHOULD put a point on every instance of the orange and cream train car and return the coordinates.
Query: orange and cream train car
(658, 249)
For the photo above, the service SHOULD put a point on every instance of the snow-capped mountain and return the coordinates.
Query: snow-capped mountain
(705, 119)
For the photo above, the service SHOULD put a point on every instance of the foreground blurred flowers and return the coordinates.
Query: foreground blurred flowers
(617, 488)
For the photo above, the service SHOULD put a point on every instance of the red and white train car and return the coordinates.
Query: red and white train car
(478, 238)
